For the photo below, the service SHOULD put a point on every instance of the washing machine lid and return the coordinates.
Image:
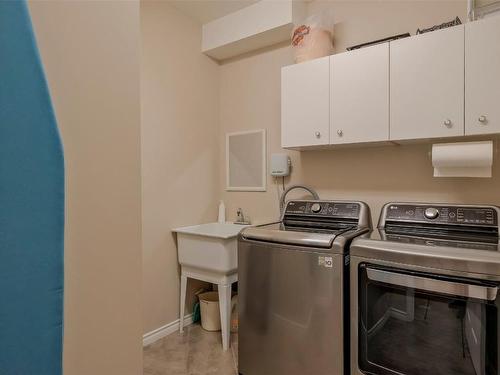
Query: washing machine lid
(314, 223)
(301, 236)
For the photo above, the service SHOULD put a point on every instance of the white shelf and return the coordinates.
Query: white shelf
(259, 25)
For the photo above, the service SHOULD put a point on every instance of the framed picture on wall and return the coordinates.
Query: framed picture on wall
(246, 161)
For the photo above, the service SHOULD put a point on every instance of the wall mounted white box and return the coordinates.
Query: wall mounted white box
(280, 165)
(259, 25)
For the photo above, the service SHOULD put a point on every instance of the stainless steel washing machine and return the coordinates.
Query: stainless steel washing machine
(424, 292)
(292, 299)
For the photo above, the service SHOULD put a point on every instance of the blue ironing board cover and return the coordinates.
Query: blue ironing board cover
(31, 206)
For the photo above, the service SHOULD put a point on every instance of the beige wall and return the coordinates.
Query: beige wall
(250, 99)
(188, 103)
(179, 88)
(91, 55)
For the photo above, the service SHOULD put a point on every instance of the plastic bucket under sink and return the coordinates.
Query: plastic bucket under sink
(210, 311)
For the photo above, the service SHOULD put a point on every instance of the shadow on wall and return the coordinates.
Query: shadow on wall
(404, 171)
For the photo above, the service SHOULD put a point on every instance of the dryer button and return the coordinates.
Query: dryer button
(431, 213)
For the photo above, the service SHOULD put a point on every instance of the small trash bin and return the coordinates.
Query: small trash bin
(210, 311)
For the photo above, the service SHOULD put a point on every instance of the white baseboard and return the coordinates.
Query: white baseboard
(167, 329)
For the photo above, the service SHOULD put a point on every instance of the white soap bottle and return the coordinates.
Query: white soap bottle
(222, 212)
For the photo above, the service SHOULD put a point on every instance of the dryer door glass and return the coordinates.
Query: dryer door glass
(415, 323)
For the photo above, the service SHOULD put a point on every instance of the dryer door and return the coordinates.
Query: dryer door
(415, 323)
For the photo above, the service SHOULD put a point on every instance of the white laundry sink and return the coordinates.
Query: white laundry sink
(209, 247)
(209, 252)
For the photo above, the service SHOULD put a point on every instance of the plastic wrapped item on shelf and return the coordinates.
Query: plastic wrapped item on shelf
(313, 38)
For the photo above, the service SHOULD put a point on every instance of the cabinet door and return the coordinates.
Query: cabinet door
(305, 113)
(427, 85)
(359, 95)
(482, 76)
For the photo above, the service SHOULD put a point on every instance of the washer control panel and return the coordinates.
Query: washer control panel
(324, 208)
(439, 214)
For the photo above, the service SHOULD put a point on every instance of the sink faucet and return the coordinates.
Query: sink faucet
(240, 217)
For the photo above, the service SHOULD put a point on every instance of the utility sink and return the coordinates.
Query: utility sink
(209, 247)
(209, 252)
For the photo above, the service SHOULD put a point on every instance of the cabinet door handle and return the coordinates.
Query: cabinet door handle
(318, 134)
(340, 132)
(482, 119)
(448, 123)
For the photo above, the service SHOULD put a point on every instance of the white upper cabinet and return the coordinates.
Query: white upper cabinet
(359, 95)
(482, 76)
(305, 103)
(440, 84)
(427, 85)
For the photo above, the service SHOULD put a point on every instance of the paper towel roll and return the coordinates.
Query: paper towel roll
(465, 159)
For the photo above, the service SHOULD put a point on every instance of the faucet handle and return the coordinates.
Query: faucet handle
(240, 217)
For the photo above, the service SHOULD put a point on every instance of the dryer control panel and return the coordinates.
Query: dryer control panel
(440, 214)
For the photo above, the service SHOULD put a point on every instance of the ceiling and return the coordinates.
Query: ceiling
(208, 10)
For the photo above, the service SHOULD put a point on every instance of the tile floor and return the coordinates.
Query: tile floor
(195, 352)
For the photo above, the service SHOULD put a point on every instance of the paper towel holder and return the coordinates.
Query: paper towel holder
(494, 142)
(463, 159)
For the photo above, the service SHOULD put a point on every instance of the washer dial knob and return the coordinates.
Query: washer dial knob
(316, 207)
(431, 213)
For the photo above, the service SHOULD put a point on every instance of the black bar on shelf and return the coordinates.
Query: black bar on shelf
(379, 41)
